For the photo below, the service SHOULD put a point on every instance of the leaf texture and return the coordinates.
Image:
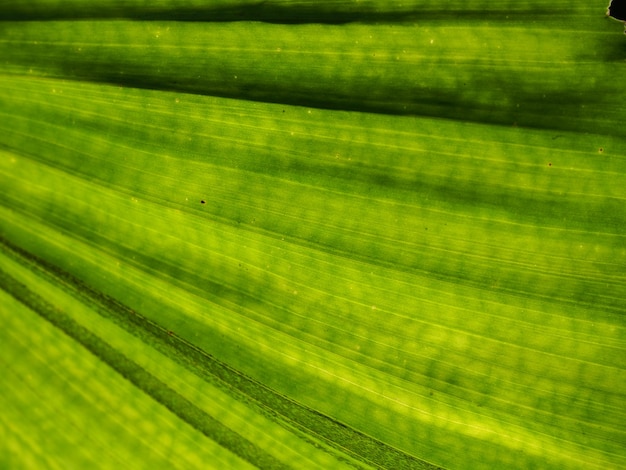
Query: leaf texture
(390, 243)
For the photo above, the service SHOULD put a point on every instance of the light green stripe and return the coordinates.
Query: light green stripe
(279, 442)
(324, 433)
(139, 377)
(77, 411)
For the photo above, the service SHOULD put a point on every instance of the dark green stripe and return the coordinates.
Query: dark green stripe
(281, 10)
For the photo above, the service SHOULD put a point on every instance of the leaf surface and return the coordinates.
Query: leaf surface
(313, 245)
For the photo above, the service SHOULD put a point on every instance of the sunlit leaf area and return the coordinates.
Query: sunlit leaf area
(312, 234)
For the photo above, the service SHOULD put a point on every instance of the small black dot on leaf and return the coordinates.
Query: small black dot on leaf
(202, 201)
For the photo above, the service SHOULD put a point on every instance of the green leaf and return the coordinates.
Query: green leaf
(466, 69)
(396, 242)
